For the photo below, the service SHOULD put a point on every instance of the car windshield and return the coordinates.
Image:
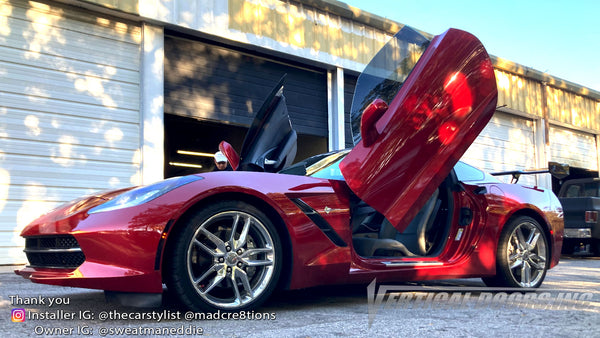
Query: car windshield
(327, 166)
(321, 166)
(386, 72)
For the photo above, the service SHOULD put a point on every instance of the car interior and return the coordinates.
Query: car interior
(373, 236)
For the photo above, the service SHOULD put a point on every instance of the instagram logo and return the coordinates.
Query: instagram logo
(18, 315)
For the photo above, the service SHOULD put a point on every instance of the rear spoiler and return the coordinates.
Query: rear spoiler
(558, 170)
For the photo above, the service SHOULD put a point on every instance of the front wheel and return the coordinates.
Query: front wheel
(522, 257)
(227, 257)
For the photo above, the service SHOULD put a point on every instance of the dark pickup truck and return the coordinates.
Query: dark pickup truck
(580, 199)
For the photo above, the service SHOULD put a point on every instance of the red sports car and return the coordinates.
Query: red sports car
(398, 206)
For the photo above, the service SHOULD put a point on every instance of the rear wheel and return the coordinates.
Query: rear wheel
(227, 257)
(522, 258)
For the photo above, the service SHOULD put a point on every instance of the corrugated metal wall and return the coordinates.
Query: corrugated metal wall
(69, 111)
(519, 93)
(574, 145)
(573, 109)
(307, 27)
(506, 143)
(523, 94)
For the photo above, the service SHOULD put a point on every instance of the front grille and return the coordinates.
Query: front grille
(51, 242)
(55, 251)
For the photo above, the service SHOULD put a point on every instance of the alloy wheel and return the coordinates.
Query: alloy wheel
(230, 259)
(526, 254)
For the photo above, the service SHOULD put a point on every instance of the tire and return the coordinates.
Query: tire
(209, 269)
(596, 246)
(522, 258)
(568, 247)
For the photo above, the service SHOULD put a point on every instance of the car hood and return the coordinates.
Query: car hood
(76, 208)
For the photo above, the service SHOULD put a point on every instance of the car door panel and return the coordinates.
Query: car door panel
(438, 111)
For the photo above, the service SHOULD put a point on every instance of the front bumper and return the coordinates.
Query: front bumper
(118, 250)
(96, 276)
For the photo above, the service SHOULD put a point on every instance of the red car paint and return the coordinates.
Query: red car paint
(121, 248)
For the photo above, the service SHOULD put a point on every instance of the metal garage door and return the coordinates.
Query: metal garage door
(69, 108)
(576, 148)
(506, 143)
(205, 81)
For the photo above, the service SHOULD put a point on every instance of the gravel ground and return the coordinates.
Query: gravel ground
(567, 305)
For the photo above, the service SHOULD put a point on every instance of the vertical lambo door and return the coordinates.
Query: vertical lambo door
(417, 107)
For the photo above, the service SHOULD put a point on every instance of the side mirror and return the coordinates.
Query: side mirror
(230, 153)
(369, 118)
(558, 170)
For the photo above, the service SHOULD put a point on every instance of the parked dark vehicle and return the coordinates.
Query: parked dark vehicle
(580, 199)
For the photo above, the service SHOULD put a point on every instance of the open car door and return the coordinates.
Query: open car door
(271, 142)
(417, 107)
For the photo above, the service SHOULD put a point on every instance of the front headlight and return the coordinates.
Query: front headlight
(144, 194)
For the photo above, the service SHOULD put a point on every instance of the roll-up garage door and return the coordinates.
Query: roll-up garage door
(575, 148)
(69, 111)
(209, 82)
(506, 143)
